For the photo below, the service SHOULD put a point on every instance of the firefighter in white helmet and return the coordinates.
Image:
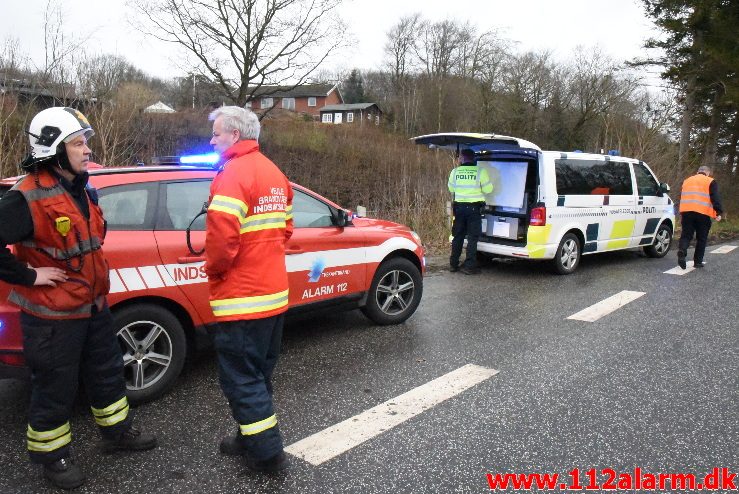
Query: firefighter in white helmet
(60, 280)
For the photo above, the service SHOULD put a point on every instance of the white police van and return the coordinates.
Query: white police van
(562, 205)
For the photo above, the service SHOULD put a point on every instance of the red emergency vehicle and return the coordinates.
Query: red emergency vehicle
(159, 292)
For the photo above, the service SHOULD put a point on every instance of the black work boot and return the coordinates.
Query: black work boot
(131, 440)
(231, 446)
(64, 474)
(277, 463)
(681, 258)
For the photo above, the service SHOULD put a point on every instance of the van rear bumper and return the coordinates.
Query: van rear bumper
(531, 251)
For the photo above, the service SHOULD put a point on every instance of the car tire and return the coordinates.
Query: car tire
(662, 242)
(567, 258)
(395, 292)
(154, 348)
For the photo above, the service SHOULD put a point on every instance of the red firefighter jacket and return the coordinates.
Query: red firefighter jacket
(249, 220)
(62, 237)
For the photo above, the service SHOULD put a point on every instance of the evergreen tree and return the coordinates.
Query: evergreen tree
(353, 88)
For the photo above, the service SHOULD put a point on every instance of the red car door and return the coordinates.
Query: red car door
(323, 261)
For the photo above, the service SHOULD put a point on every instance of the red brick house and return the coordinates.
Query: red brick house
(307, 98)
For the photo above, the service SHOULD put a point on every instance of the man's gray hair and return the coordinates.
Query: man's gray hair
(705, 170)
(237, 118)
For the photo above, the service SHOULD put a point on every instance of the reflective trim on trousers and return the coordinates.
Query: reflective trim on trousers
(257, 427)
(45, 441)
(113, 414)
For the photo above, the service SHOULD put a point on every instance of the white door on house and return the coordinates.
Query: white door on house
(337, 118)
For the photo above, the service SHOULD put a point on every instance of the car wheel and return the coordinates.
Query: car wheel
(153, 344)
(395, 292)
(662, 242)
(568, 255)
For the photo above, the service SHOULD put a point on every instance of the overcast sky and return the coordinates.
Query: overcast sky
(617, 27)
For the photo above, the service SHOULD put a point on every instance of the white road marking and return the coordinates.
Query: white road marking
(605, 307)
(724, 249)
(337, 439)
(680, 271)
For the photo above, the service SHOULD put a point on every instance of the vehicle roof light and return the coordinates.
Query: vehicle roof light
(200, 159)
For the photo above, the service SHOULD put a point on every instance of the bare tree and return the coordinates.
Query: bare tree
(399, 51)
(400, 46)
(244, 44)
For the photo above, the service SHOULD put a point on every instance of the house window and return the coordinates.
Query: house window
(326, 118)
(312, 101)
(350, 117)
(267, 103)
(377, 119)
(248, 104)
(337, 118)
(288, 103)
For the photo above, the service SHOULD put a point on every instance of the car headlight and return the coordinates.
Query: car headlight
(416, 236)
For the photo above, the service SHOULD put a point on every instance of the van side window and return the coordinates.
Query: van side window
(591, 177)
(645, 182)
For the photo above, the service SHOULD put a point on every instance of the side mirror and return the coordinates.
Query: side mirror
(663, 189)
(341, 218)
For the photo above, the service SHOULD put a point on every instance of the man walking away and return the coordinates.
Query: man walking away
(699, 202)
(468, 183)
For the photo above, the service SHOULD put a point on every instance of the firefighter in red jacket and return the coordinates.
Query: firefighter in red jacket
(699, 202)
(61, 279)
(249, 220)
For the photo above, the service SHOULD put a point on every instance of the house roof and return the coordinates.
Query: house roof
(349, 106)
(302, 91)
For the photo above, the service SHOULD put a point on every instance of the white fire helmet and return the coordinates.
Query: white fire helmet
(52, 126)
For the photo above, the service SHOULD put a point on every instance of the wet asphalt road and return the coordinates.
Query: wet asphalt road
(652, 385)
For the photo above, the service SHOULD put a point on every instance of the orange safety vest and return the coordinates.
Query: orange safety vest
(696, 196)
(249, 220)
(64, 238)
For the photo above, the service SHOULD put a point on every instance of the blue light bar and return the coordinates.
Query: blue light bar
(205, 159)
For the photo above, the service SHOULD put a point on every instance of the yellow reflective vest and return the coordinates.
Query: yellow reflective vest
(469, 183)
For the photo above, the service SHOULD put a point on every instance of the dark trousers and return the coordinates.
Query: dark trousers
(247, 356)
(58, 352)
(467, 223)
(694, 224)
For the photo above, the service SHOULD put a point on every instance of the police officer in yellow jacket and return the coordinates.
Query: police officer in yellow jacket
(469, 184)
(699, 202)
(60, 280)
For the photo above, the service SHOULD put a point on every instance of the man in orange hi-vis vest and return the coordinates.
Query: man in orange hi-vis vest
(249, 220)
(699, 202)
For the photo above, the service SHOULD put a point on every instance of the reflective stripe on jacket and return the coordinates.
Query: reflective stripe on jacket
(469, 183)
(64, 238)
(249, 220)
(696, 195)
